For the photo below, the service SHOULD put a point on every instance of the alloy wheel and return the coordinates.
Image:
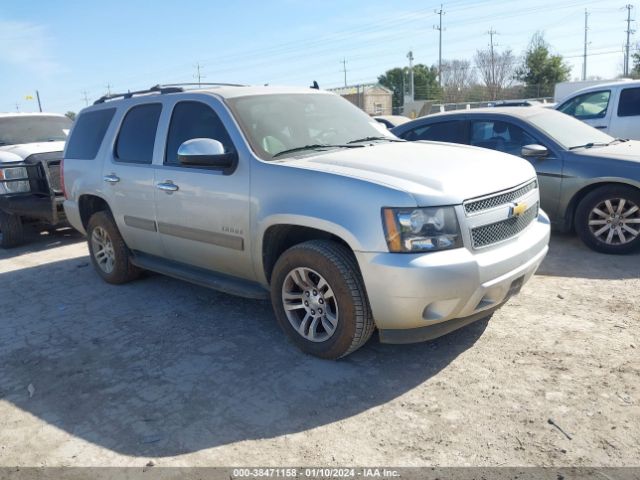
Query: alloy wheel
(615, 221)
(310, 304)
(103, 250)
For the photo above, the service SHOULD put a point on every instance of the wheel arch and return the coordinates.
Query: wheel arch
(277, 237)
(88, 204)
(574, 201)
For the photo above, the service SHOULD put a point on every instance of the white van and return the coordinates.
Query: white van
(612, 107)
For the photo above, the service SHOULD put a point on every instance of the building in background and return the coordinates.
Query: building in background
(373, 98)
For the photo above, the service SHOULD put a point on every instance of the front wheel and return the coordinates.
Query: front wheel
(319, 299)
(608, 219)
(11, 230)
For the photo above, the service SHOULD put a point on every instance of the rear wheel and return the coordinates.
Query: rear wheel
(109, 254)
(11, 230)
(319, 299)
(608, 219)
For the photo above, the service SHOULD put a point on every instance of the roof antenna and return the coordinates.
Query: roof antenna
(315, 85)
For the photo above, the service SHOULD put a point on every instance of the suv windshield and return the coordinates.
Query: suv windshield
(33, 129)
(291, 124)
(567, 131)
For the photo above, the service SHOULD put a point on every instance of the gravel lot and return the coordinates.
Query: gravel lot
(93, 375)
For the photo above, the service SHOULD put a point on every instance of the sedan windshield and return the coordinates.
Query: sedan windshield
(33, 129)
(567, 131)
(281, 125)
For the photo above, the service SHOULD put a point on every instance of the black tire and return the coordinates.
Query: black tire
(585, 213)
(338, 266)
(11, 230)
(123, 270)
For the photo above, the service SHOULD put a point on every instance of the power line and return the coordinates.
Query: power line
(198, 75)
(629, 32)
(439, 28)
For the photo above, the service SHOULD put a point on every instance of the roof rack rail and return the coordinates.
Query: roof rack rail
(155, 89)
(163, 88)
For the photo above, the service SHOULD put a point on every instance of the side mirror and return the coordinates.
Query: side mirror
(205, 152)
(534, 151)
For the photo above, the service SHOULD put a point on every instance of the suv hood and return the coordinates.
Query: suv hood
(25, 149)
(434, 173)
(629, 151)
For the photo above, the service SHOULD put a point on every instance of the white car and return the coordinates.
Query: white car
(611, 107)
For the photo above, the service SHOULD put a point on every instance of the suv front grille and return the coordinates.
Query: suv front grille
(54, 176)
(475, 206)
(503, 230)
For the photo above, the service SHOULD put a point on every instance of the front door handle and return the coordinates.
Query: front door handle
(601, 127)
(111, 178)
(167, 186)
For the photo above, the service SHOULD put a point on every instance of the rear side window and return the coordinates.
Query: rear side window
(629, 104)
(88, 134)
(138, 134)
(191, 120)
(452, 132)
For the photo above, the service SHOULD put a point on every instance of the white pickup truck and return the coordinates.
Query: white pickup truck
(31, 146)
(613, 107)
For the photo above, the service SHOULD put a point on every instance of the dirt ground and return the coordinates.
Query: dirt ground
(95, 375)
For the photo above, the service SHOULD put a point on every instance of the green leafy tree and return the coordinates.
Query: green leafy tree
(540, 69)
(70, 115)
(635, 73)
(424, 80)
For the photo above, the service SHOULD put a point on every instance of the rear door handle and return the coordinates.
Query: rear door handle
(601, 127)
(167, 186)
(111, 178)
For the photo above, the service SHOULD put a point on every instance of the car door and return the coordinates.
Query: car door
(591, 107)
(203, 212)
(626, 123)
(509, 137)
(128, 175)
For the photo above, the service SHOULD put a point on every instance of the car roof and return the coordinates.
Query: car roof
(623, 83)
(520, 112)
(28, 114)
(250, 90)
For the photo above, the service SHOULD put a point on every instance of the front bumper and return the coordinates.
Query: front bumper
(44, 208)
(421, 291)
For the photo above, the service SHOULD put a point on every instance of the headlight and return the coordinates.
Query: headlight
(14, 173)
(421, 229)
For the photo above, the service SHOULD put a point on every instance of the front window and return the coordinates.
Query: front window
(567, 131)
(588, 105)
(16, 130)
(498, 135)
(277, 123)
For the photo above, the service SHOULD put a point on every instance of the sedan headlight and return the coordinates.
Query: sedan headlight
(421, 229)
(14, 173)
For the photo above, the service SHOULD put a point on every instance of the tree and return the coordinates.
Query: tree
(70, 115)
(635, 72)
(540, 70)
(424, 81)
(457, 76)
(495, 69)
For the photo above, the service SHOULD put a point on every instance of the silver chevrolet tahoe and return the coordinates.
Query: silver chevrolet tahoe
(298, 195)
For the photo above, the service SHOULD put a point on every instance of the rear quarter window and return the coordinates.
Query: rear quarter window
(629, 104)
(88, 133)
(452, 132)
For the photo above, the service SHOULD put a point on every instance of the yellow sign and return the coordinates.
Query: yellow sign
(28, 97)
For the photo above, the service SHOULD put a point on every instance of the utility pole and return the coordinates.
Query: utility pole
(584, 58)
(627, 46)
(491, 33)
(198, 75)
(86, 98)
(17, 107)
(411, 86)
(439, 28)
(39, 104)
(344, 69)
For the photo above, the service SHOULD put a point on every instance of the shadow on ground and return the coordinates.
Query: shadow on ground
(569, 257)
(36, 241)
(160, 367)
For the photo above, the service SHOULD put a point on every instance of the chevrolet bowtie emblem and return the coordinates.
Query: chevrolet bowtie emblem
(517, 209)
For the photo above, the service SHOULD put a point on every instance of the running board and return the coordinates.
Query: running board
(200, 276)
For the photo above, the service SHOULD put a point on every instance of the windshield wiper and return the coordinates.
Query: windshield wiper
(315, 146)
(370, 139)
(590, 145)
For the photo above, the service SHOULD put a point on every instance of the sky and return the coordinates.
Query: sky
(65, 48)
